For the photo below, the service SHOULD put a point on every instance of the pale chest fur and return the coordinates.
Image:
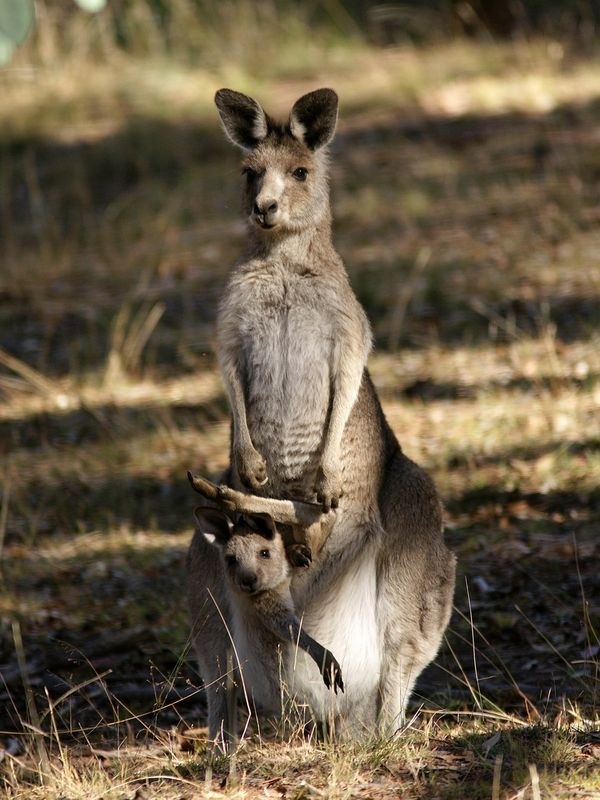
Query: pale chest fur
(280, 321)
(260, 656)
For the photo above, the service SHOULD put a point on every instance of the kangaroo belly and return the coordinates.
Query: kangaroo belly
(288, 392)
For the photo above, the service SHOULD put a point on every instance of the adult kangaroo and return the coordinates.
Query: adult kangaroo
(292, 345)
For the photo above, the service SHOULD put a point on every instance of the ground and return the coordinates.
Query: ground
(465, 180)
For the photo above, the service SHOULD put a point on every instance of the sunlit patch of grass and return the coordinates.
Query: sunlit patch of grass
(509, 753)
(434, 757)
(484, 400)
(91, 392)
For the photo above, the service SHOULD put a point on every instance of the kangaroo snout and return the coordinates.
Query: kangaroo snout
(265, 212)
(247, 582)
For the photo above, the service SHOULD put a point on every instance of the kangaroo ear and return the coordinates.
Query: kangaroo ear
(213, 521)
(314, 117)
(244, 121)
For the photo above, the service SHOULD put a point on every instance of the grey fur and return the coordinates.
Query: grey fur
(264, 631)
(292, 344)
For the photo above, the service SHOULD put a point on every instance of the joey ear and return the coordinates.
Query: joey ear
(244, 121)
(313, 118)
(215, 522)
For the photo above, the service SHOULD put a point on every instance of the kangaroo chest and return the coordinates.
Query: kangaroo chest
(286, 333)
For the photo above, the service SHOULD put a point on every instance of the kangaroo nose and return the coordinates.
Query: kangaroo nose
(247, 582)
(266, 207)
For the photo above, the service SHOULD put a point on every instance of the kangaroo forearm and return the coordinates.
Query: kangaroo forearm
(341, 408)
(315, 650)
(348, 374)
(285, 512)
(287, 627)
(277, 615)
(237, 401)
(297, 635)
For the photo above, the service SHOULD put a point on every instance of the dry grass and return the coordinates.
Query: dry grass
(465, 187)
(437, 758)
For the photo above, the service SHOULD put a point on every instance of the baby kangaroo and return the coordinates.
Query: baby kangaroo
(263, 616)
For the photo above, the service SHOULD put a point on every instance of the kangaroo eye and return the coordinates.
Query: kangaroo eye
(300, 174)
(265, 554)
(250, 174)
(231, 561)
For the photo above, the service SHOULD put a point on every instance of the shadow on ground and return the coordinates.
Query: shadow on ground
(151, 212)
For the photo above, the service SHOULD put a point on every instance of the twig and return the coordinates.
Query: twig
(474, 649)
(38, 736)
(35, 379)
(497, 777)
(535, 782)
(4, 512)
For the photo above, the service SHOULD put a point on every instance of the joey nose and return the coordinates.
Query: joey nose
(247, 582)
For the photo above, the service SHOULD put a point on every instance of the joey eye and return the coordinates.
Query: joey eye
(265, 554)
(300, 174)
(231, 561)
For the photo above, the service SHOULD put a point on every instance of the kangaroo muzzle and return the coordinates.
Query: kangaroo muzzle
(266, 213)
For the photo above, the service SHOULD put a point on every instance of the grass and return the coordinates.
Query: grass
(438, 758)
(465, 187)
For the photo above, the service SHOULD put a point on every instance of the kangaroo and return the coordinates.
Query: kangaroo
(262, 612)
(292, 346)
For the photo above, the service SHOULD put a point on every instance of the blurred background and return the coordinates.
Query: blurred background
(465, 186)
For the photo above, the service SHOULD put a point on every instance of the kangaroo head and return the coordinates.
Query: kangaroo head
(251, 546)
(285, 167)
